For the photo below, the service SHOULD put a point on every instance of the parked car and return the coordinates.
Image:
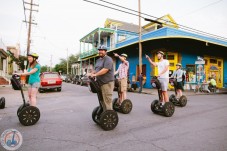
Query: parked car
(50, 80)
(76, 79)
(84, 80)
(63, 77)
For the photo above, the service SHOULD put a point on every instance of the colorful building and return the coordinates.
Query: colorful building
(179, 46)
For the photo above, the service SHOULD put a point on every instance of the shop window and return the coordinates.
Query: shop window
(169, 57)
(205, 61)
(171, 64)
(214, 61)
(190, 73)
(219, 63)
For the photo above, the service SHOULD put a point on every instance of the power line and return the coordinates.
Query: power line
(181, 26)
(29, 22)
(199, 9)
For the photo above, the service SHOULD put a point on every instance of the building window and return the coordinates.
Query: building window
(169, 57)
(214, 61)
(219, 63)
(171, 64)
(190, 73)
(205, 61)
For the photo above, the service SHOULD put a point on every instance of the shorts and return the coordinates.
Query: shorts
(34, 85)
(123, 84)
(180, 85)
(164, 83)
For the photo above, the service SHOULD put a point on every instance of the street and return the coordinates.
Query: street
(66, 123)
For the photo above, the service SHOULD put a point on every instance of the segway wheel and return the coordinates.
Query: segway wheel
(108, 120)
(21, 107)
(171, 98)
(154, 106)
(2, 103)
(168, 109)
(183, 101)
(126, 106)
(95, 115)
(29, 115)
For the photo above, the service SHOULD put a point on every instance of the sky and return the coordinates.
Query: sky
(61, 24)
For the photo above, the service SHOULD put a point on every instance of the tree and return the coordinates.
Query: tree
(62, 66)
(44, 68)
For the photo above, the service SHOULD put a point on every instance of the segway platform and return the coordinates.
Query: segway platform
(156, 107)
(182, 101)
(126, 105)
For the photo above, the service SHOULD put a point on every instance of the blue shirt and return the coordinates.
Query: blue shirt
(34, 78)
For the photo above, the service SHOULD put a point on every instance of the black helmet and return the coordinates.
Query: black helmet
(34, 55)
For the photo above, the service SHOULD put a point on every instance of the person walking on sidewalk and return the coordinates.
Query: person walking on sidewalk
(140, 82)
(122, 71)
(163, 74)
(104, 73)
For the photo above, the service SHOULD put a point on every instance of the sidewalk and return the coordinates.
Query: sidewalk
(186, 92)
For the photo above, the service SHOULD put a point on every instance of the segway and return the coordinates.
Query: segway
(28, 115)
(2, 103)
(168, 108)
(126, 105)
(108, 119)
(182, 101)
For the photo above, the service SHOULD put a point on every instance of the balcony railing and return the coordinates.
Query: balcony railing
(90, 52)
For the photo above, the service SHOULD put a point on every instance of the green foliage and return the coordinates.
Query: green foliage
(44, 68)
(62, 66)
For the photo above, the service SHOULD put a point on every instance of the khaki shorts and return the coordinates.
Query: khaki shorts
(123, 84)
(107, 93)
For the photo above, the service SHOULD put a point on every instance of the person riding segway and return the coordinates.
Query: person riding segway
(161, 106)
(104, 115)
(122, 104)
(28, 113)
(177, 80)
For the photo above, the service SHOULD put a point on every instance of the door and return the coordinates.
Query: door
(214, 68)
(173, 60)
(172, 57)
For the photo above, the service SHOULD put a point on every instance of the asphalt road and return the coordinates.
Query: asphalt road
(66, 123)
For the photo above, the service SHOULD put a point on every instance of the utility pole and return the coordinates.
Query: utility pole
(51, 63)
(67, 62)
(140, 45)
(30, 23)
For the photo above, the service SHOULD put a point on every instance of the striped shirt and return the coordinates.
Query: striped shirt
(123, 70)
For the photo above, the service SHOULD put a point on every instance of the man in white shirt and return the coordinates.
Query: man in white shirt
(163, 74)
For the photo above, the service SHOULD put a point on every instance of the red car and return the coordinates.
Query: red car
(50, 80)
